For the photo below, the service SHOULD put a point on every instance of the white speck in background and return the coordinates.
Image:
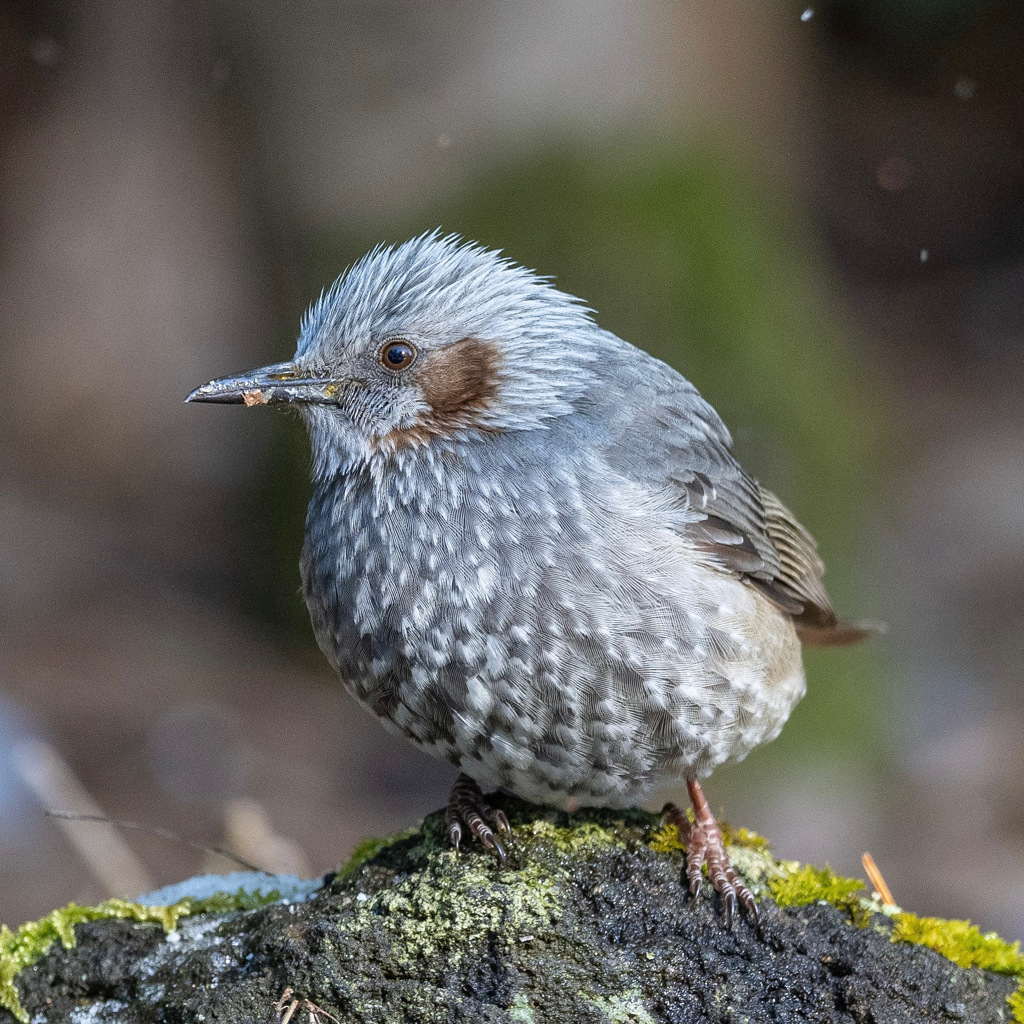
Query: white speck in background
(964, 88)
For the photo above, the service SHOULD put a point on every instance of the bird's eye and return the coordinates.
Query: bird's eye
(397, 355)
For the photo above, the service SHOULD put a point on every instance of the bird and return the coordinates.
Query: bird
(530, 549)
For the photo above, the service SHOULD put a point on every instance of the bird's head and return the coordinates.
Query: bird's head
(423, 342)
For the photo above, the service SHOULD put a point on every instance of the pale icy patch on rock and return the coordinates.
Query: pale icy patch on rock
(292, 888)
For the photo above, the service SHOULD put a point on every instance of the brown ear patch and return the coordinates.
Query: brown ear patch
(459, 383)
(461, 379)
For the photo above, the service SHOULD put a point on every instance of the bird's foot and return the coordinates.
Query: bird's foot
(705, 845)
(467, 807)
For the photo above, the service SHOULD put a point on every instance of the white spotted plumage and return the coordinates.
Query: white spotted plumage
(530, 595)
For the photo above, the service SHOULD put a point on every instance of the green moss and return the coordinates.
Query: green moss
(666, 840)
(808, 884)
(744, 837)
(1016, 1004)
(31, 941)
(576, 839)
(367, 849)
(792, 884)
(961, 942)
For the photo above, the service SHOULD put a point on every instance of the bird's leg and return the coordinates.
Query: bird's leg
(704, 845)
(466, 806)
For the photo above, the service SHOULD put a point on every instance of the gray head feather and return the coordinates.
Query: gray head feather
(434, 292)
(438, 287)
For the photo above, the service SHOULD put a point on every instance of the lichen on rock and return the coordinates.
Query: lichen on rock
(589, 923)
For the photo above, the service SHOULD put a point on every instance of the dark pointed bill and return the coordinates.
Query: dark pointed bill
(271, 384)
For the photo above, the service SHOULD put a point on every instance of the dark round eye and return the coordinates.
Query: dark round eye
(397, 355)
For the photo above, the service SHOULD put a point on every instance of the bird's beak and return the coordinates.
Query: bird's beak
(278, 383)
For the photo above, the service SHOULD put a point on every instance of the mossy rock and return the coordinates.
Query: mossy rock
(588, 923)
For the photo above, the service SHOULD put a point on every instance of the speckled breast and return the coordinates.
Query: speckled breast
(538, 626)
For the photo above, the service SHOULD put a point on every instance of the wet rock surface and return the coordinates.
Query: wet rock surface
(587, 924)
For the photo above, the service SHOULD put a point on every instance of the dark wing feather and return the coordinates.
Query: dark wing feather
(801, 569)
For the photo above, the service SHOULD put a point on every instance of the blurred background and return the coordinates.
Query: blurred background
(814, 212)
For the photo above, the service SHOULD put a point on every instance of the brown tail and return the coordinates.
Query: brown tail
(839, 634)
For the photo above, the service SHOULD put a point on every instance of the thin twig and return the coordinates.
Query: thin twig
(876, 879)
(103, 849)
(155, 830)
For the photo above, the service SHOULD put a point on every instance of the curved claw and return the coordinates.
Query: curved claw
(693, 880)
(729, 901)
(466, 806)
(491, 842)
(749, 904)
(455, 834)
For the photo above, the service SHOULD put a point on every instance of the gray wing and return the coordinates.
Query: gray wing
(741, 525)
